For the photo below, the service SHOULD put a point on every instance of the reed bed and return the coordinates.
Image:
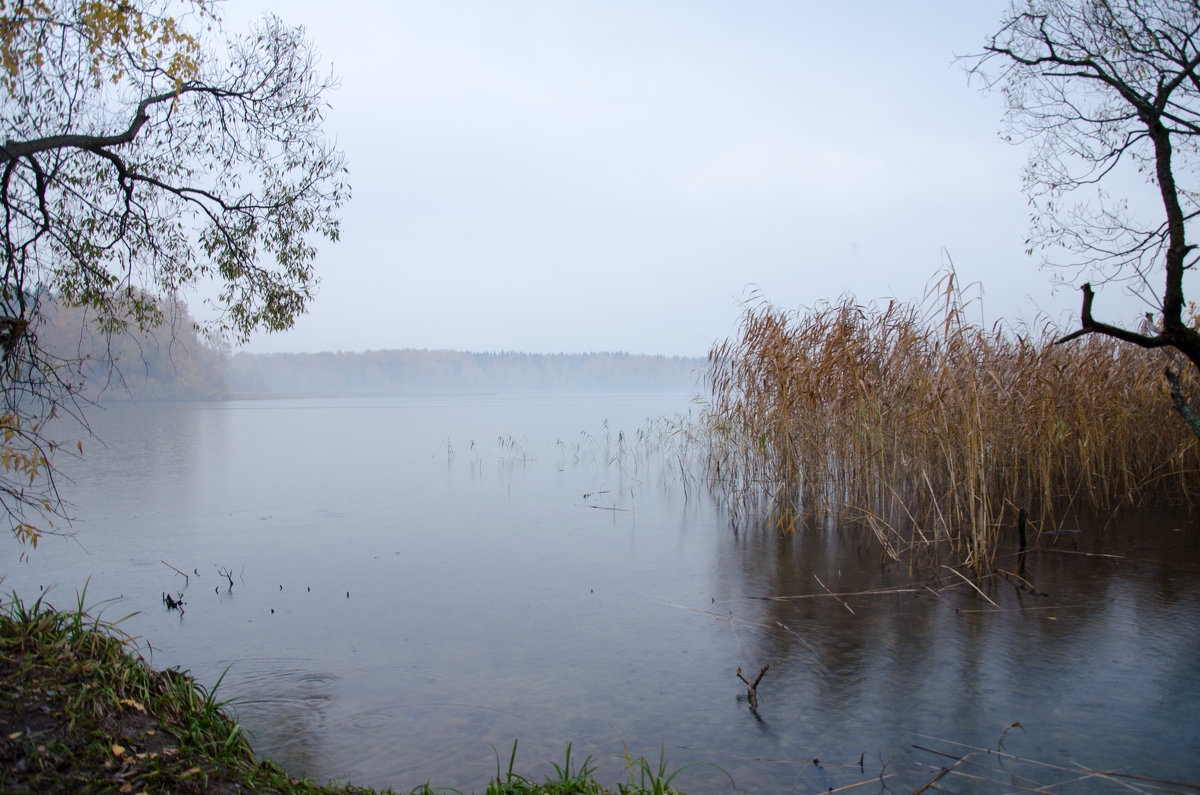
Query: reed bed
(933, 430)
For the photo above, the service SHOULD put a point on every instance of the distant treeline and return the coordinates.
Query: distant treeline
(176, 362)
(173, 361)
(411, 370)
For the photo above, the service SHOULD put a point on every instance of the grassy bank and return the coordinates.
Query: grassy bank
(81, 711)
(934, 430)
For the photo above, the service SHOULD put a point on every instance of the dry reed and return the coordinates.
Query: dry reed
(931, 428)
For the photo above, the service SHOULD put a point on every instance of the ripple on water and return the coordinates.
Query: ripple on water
(258, 681)
(371, 720)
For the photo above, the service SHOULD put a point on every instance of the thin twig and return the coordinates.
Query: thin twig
(935, 779)
(186, 580)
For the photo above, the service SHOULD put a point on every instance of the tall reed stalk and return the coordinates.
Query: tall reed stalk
(931, 428)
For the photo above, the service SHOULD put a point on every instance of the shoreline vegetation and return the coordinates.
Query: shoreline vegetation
(936, 432)
(82, 711)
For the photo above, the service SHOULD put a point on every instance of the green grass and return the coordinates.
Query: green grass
(644, 778)
(82, 711)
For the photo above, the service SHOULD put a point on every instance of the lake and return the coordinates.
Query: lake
(418, 582)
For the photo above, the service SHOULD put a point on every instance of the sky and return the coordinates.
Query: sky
(612, 175)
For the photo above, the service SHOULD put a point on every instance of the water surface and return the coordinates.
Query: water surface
(448, 574)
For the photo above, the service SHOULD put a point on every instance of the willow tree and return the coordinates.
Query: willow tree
(1108, 93)
(145, 153)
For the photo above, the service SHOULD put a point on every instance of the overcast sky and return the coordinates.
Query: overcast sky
(619, 176)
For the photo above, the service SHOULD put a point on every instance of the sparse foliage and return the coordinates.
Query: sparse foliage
(145, 154)
(1108, 94)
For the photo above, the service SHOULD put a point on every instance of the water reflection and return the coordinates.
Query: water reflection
(418, 583)
(1100, 653)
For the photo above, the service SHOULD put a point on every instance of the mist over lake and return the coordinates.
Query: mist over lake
(418, 581)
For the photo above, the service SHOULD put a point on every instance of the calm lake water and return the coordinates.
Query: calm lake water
(450, 574)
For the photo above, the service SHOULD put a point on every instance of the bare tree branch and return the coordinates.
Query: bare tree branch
(1105, 88)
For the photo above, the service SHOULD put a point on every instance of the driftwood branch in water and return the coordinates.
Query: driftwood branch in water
(752, 687)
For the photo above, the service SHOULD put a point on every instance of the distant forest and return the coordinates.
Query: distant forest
(171, 362)
(409, 370)
(176, 362)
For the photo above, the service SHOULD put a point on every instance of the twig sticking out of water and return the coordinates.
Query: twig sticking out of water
(173, 602)
(186, 580)
(227, 574)
(1004, 734)
(752, 687)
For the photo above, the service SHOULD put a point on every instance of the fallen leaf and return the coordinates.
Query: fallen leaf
(118, 750)
(190, 772)
(14, 736)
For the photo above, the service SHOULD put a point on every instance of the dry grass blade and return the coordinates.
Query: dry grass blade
(967, 580)
(841, 601)
(840, 595)
(1076, 770)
